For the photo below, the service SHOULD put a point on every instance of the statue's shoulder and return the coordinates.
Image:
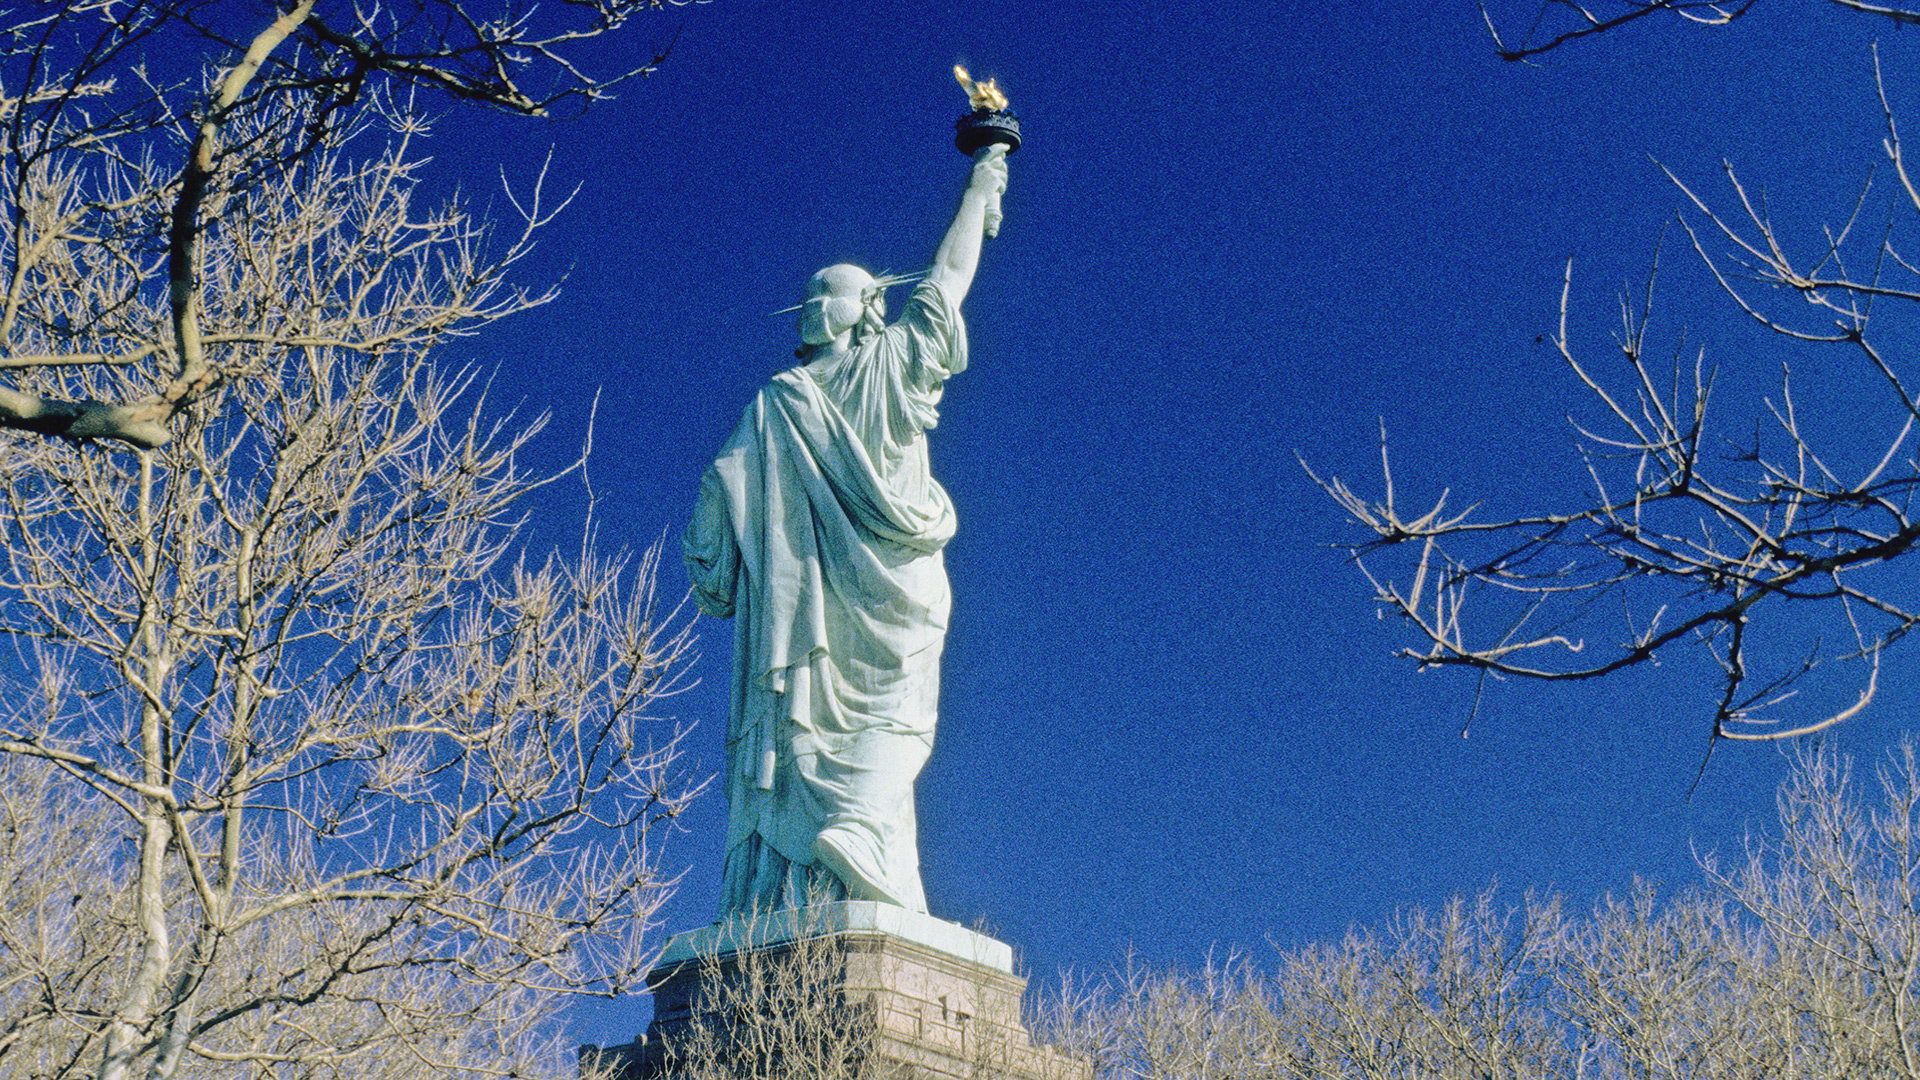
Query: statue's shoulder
(790, 389)
(794, 378)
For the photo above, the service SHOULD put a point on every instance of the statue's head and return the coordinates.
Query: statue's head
(840, 298)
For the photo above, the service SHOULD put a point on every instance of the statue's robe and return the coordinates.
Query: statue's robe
(819, 530)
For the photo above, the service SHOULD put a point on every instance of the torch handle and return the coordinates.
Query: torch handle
(994, 217)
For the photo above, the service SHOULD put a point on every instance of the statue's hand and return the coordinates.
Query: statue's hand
(989, 180)
(990, 170)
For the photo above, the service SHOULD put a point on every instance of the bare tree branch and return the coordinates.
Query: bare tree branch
(1586, 21)
(1721, 546)
(314, 71)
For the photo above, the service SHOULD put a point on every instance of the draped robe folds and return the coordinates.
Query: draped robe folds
(819, 530)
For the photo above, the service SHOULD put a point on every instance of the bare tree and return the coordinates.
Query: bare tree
(1761, 542)
(1462, 993)
(382, 778)
(1797, 959)
(67, 938)
(1553, 23)
(1834, 893)
(1676, 986)
(65, 931)
(1458, 993)
(1211, 1022)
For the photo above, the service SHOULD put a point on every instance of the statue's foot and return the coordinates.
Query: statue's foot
(843, 851)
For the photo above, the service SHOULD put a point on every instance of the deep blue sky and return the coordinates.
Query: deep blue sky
(1238, 231)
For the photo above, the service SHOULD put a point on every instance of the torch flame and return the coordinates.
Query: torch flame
(983, 96)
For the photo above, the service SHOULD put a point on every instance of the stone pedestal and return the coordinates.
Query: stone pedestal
(906, 995)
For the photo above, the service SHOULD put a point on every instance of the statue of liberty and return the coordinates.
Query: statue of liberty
(819, 531)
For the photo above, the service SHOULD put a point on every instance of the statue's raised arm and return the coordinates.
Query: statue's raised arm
(959, 254)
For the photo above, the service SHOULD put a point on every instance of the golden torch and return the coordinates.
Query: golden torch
(990, 124)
